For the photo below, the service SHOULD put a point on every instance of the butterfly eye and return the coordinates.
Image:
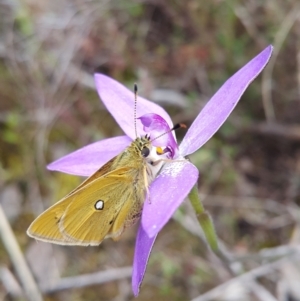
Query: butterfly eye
(145, 152)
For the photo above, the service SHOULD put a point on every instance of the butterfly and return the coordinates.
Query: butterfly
(107, 202)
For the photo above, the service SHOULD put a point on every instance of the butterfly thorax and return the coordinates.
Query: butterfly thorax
(142, 158)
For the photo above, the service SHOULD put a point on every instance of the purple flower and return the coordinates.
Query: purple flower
(176, 179)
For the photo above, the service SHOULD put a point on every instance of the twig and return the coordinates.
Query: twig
(244, 202)
(261, 293)
(89, 279)
(18, 260)
(290, 132)
(298, 56)
(282, 33)
(270, 253)
(10, 283)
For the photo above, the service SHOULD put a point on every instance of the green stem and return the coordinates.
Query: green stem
(204, 219)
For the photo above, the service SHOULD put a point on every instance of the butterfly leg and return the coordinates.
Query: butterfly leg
(146, 185)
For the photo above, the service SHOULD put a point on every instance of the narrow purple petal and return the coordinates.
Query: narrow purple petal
(143, 247)
(167, 192)
(156, 126)
(85, 161)
(120, 103)
(222, 103)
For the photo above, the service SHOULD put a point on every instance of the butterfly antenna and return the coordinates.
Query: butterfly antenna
(174, 128)
(135, 102)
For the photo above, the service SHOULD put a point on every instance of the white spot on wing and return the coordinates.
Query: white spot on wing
(99, 205)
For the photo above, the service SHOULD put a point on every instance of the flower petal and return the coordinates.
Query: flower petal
(143, 247)
(167, 192)
(222, 103)
(120, 103)
(156, 126)
(85, 161)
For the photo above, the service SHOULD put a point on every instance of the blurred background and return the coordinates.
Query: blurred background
(179, 53)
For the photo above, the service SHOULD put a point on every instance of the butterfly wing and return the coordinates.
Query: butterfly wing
(90, 225)
(45, 226)
(106, 168)
(51, 216)
(78, 220)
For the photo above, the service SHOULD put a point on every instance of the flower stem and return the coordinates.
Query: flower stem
(204, 219)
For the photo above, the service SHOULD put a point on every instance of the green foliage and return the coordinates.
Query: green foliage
(11, 134)
(23, 21)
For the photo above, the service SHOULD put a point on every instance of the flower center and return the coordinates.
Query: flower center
(161, 134)
(155, 161)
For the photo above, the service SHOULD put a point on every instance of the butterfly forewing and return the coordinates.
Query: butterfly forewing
(106, 168)
(79, 220)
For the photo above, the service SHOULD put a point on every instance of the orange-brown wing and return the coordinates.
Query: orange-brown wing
(87, 216)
